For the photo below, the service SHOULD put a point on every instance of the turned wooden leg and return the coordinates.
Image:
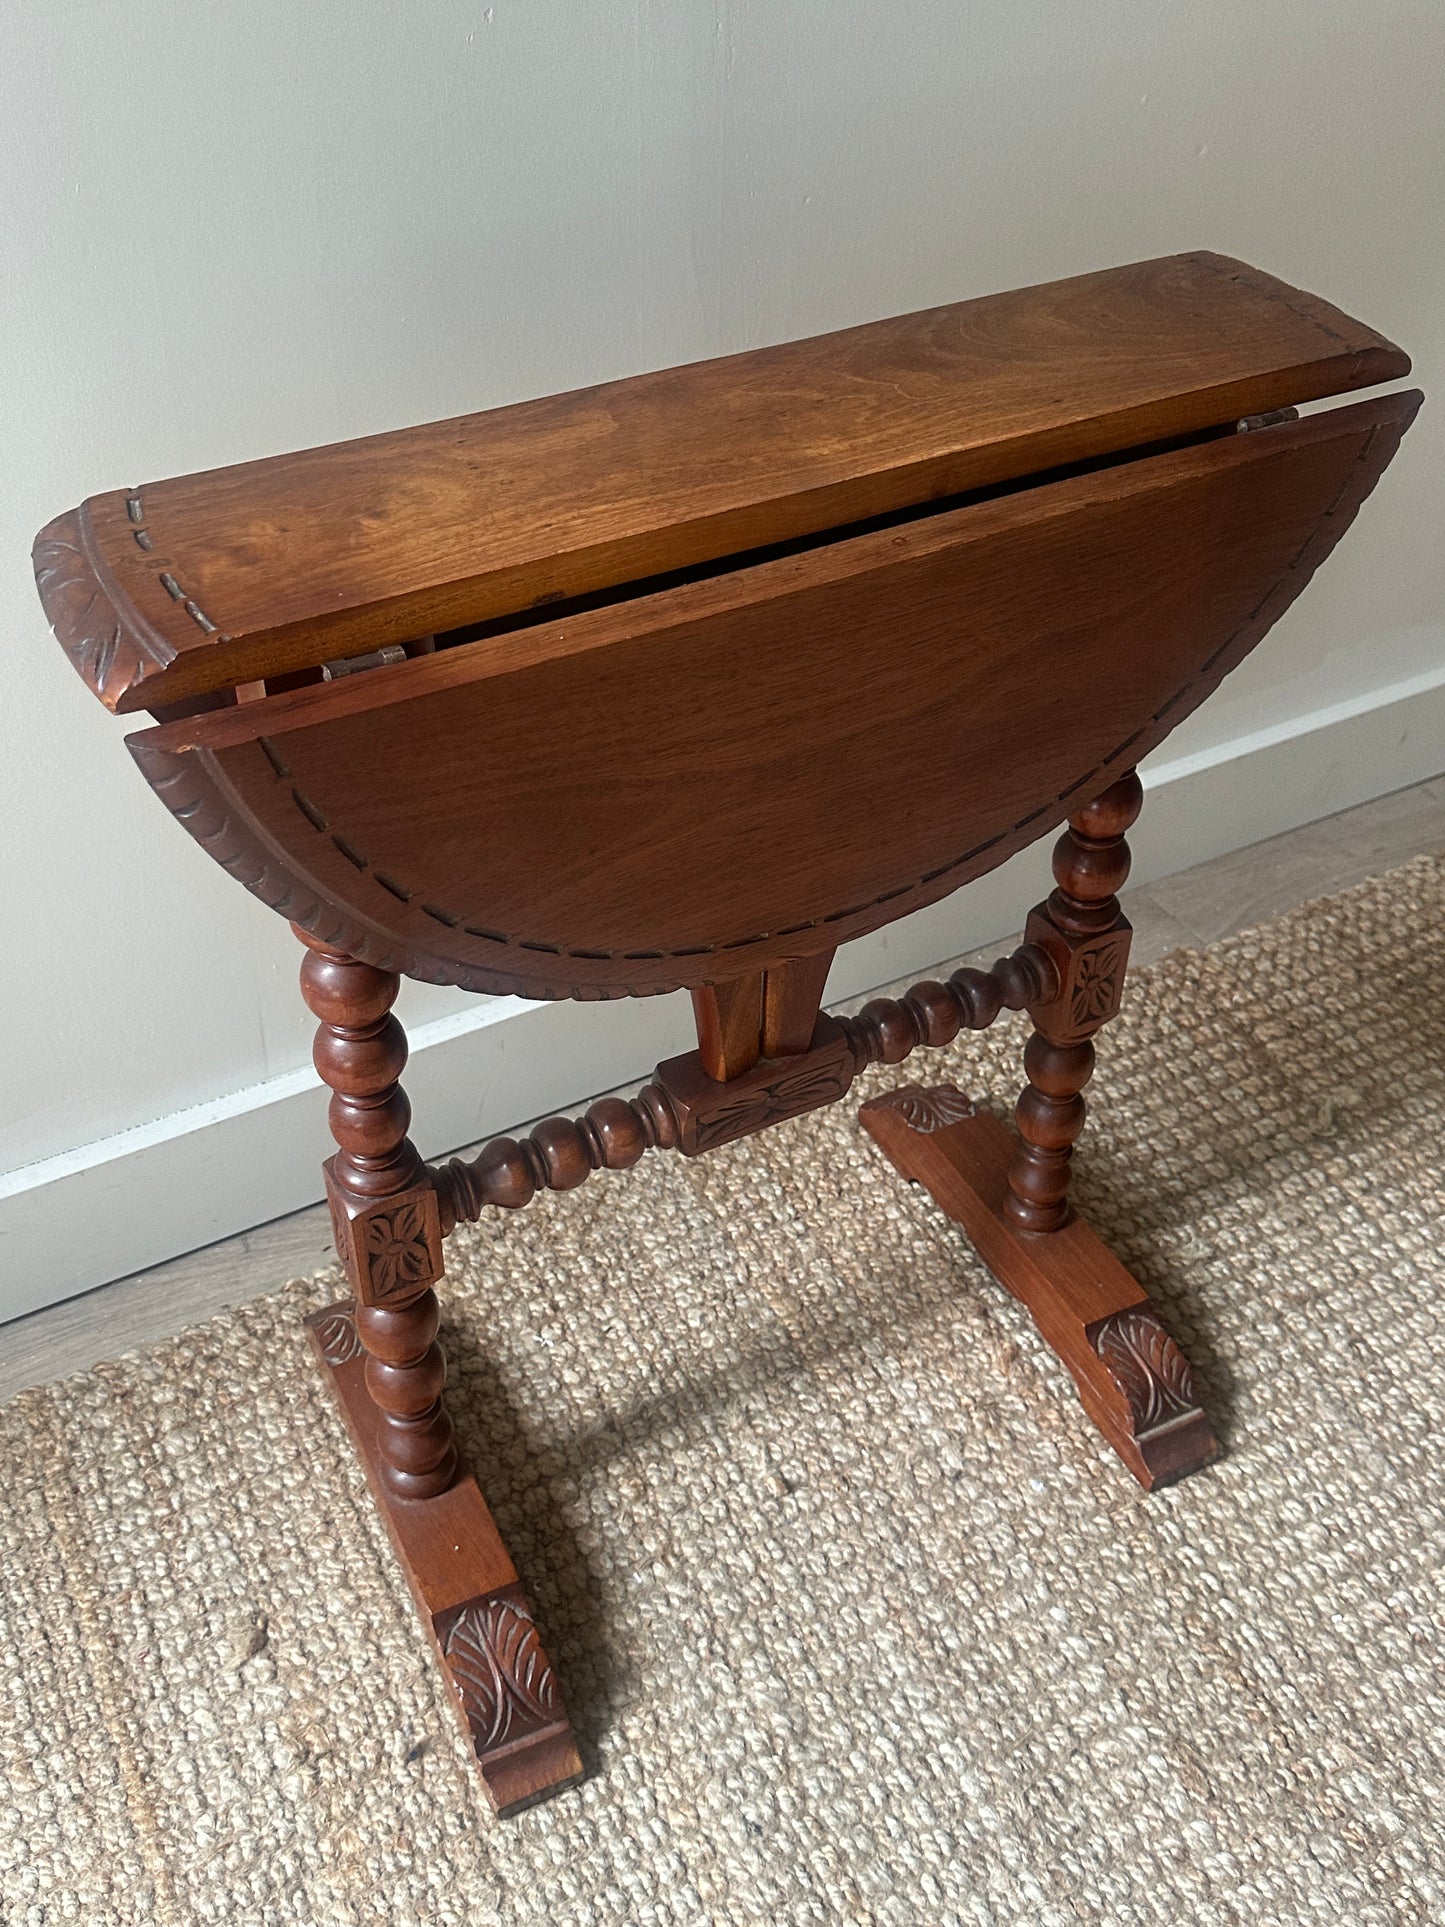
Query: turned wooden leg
(1086, 936)
(384, 1208)
(1011, 1194)
(388, 1371)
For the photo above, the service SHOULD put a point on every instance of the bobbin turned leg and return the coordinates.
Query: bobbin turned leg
(1011, 1195)
(387, 1369)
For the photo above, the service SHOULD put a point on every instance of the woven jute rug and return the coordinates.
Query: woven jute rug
(859, 1619)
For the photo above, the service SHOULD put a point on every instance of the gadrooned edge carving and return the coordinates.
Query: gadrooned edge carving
(89, 628)
(499, 1671)
(1147, 1366)
(924, 1109)
(193, 797)
(337, 1336)
(190, 791)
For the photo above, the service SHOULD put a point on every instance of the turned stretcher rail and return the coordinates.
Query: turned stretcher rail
(561, 1152)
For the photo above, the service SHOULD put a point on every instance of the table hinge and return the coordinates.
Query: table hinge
(1271, 418)
(354, 665)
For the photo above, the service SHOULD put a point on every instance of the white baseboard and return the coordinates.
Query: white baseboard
(118, 1205)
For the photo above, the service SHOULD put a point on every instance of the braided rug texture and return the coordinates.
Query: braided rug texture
(858, 1618)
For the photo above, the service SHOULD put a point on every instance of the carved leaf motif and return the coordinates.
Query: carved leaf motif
(86, 622)
(398, 1251)
(788, 1095)
(1098, 982)
(1147, 1366)
(925, 1110)
(502, 1676)
(338, 1337)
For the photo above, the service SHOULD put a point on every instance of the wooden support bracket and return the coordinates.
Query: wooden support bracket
(1133, 1380)
(502, 1686)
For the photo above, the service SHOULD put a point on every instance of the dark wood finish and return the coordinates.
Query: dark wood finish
(177, 587)
(1133, 1380)
(1086, 936)
(503, 1689)
(838, 626)
(557, 1155)
(384, 1213)
(388, 1372)
(729, 1018)
(792, 999)
(688, 1109)
(962, 683)
(889, 1029)
(710, 1113)
(1011, 1195)
(764, 1014)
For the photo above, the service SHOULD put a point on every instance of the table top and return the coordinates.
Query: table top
(716, 778)
(170, 589)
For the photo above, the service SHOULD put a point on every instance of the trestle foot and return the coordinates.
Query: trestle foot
(1134, 1381)
(502, 1686)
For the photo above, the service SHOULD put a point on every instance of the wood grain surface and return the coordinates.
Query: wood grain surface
(1132, 1379)
(709, 781)
(170, 588)
(500, 1681)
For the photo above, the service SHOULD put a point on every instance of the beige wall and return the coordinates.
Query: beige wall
(229, 230)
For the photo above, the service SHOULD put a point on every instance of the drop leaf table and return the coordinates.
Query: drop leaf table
(681, 682)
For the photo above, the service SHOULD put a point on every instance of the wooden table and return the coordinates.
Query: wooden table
(682, 681)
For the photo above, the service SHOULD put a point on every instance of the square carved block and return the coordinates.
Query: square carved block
(711, 1112)
(391, 1247)
(1091, 977)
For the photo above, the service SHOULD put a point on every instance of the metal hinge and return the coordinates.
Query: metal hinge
(1272, 418)
(354, 665)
